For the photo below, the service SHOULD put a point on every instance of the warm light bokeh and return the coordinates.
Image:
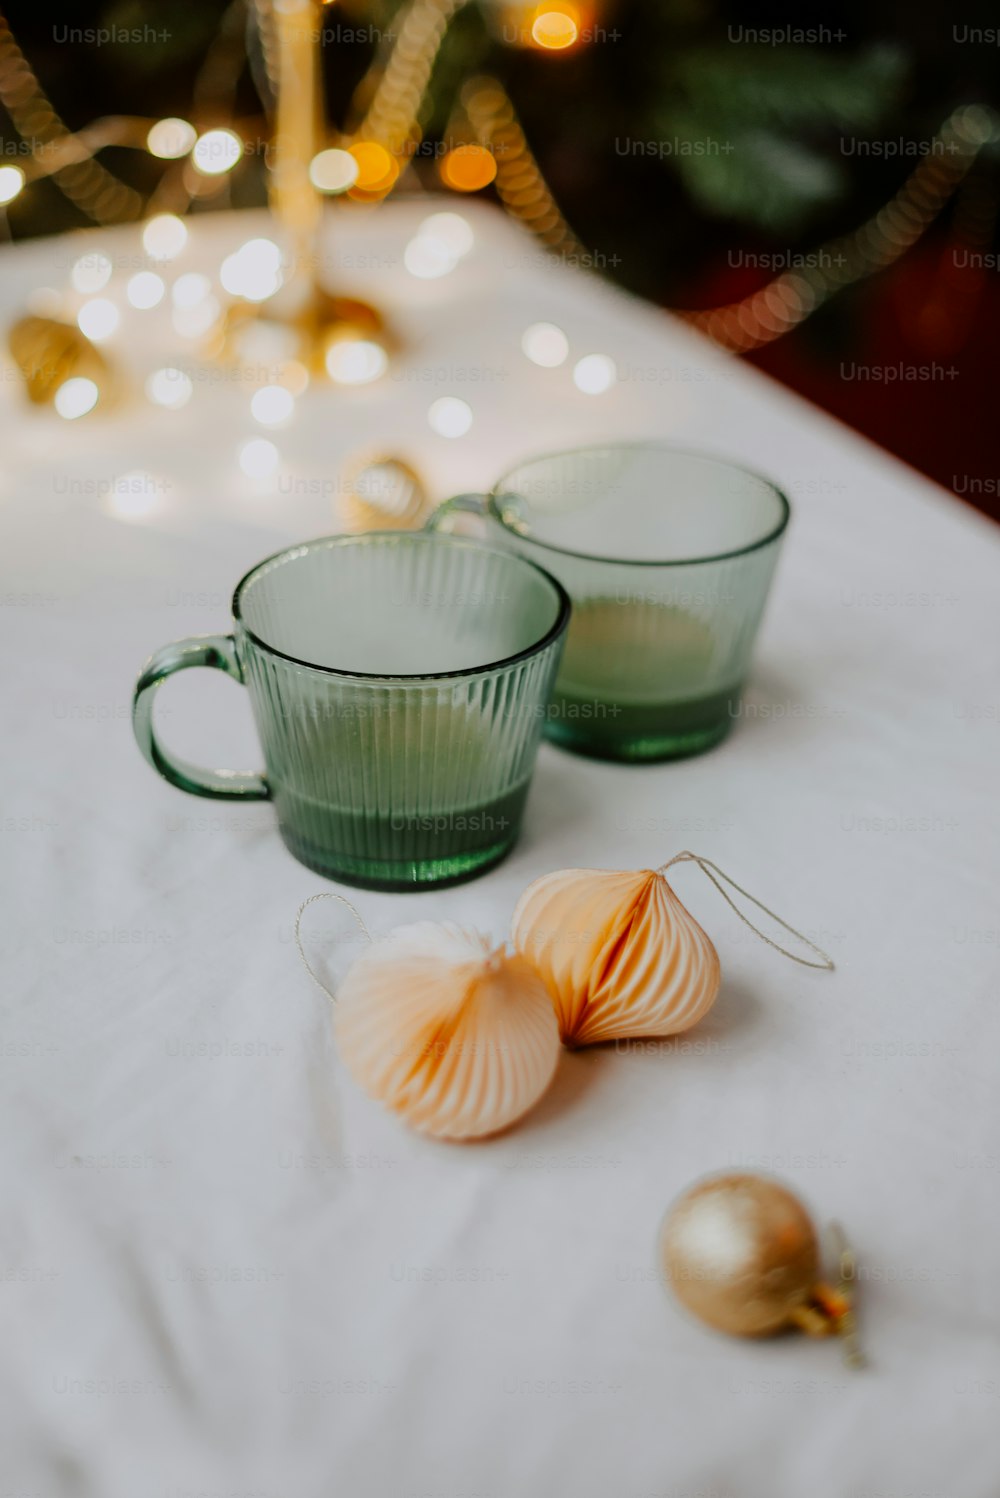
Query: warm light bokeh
(468, 168)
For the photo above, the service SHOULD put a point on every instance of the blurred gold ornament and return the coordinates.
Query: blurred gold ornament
(741, 1254)
(383, 494)
(619, 953)
(454, 1035)
(312, 326)
(49, 353)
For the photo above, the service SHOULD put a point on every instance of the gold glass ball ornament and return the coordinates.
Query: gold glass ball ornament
(740, 1252)
(381, 492)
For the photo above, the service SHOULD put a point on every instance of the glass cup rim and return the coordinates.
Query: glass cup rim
(668, 449)
(420, 537)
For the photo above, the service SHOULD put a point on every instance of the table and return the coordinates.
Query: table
(224, 1270)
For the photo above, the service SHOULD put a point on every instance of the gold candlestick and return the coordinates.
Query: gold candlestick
(316, 319)
(294, 200)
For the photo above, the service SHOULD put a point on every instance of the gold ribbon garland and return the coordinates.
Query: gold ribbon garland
(520, 184)
(393, 116)
(84, 181)
(879, 242)
(791, 297)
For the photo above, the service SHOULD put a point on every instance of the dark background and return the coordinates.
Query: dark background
(675, 230)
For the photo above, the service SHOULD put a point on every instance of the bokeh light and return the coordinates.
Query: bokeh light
(468, 168)
(545, 344)
(217, 151)
(377, 169)
(555, 29)
(254, 271)
(134, 496)
(76, 397)
(170, 139)
(190, 289)
(441, 241)
(145, 289)
(11, 182)
(169, 387)
(333, 171)
(98, 319)
(427, 258)
(91, 272)
(164, 236)
(594, 374)
(259, 458)
(452, 230)
(272, 405)
(355, 361)
(450, 417)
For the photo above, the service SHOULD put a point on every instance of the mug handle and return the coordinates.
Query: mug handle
(219, 652)
(459, 504)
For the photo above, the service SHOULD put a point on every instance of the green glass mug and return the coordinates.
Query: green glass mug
(668, 557)
(399, 684)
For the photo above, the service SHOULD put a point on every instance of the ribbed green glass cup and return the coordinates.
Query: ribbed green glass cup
(668, 558)
(399, 684)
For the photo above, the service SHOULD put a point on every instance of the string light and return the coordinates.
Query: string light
(11, 182)
(427, 258)
(333, 171)
(98, 319)
(134, 496)
(355, 361)
(441, 241)
(190, 289)
(468, 168)
(259, 458)
(76, 397)
(216, 152)
(384, 144)
(170, 139)
(594, 374)
(272, 405)
(169, 387)
(377, 170)
(452, 230)
(555, 30)
(545, 344)
(145, 289)
(253, 272)
(450, 417)
(164, 236)
(91, 272)
(196, 311)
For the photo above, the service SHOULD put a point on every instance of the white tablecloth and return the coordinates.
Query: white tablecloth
(226, 1272)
